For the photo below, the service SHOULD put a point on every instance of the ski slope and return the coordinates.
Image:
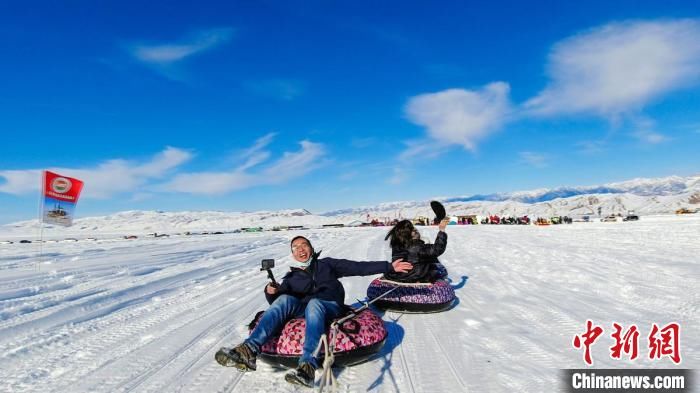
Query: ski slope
(148, 315)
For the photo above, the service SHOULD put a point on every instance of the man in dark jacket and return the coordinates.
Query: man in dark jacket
(311, 290)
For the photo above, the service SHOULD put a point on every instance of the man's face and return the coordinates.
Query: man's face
(301, 250)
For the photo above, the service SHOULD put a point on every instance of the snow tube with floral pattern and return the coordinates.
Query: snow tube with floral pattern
(412, 297)
(357, 339)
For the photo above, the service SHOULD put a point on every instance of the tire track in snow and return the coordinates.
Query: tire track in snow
(209, 328)
(223, 327)
(59, 311)
(118, 335)
(213, 298)
(449, 361)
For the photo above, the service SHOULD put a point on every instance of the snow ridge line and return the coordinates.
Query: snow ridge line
(161, 317)
(187, 309)
(450, 363)
(137, 382)
(59, 307)
(249, 306)
(404, 366)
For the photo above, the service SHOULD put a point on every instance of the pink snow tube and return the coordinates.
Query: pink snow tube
(357, 339)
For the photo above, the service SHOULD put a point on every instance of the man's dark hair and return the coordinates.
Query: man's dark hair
(300, 237)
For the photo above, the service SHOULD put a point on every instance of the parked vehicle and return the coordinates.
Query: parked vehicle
(684, 210)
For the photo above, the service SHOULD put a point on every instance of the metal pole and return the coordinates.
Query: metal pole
(364, 306)
(41, 221)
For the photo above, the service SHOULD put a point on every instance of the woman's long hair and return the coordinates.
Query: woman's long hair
(401, 234)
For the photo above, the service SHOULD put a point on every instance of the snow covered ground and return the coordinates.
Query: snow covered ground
(148, 315)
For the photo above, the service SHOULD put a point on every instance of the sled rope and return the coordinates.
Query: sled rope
(327, 377)
(406, 284)
(328, 346)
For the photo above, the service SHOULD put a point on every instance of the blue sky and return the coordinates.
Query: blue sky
(321, 105)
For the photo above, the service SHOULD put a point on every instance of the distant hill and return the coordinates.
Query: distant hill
(644, 196)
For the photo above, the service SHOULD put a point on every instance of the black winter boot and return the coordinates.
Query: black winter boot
(240, 357)
(304, 375)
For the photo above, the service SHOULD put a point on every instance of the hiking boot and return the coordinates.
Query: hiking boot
(304, 375)
(240, 357)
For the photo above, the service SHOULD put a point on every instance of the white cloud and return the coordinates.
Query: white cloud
(20, 181)
(645, 131)
(255, 154)
(163, 162)
(290, 166)
(168, 53)
(534, 159)
(297, 164)
(619, 67)
(108, 178)
(650, 137)
(145, 179)
(209, 182)
(421, 149)
(461, 117)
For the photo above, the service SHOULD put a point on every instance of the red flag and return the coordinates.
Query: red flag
(61, 193)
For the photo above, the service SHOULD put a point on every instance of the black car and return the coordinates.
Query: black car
(631, 217)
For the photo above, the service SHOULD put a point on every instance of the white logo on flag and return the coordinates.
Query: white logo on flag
(61, 185)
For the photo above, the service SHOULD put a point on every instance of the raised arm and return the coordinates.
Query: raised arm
(436, 249)
(346, 267)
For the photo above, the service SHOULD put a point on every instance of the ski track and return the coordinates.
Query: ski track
(148, 315)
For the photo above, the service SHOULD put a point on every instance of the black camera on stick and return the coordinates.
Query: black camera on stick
(268, 264)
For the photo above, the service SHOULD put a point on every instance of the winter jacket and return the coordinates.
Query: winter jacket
(320, 280)
(423, 257)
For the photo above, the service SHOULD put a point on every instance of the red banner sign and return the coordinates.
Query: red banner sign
(60, 195)
(62, 188)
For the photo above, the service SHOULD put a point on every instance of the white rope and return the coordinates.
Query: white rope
(327, 377)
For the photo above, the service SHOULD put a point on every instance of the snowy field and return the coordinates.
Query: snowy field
(148, 315)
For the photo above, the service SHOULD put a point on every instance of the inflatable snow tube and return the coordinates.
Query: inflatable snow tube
(412, 297)
(356, 341)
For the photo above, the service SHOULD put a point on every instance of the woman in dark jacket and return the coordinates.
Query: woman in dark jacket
(407, 245)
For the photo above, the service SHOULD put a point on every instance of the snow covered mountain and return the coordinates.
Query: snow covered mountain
(143, 222)
(644, 196)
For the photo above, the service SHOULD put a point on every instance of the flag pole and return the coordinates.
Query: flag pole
(41, 221)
